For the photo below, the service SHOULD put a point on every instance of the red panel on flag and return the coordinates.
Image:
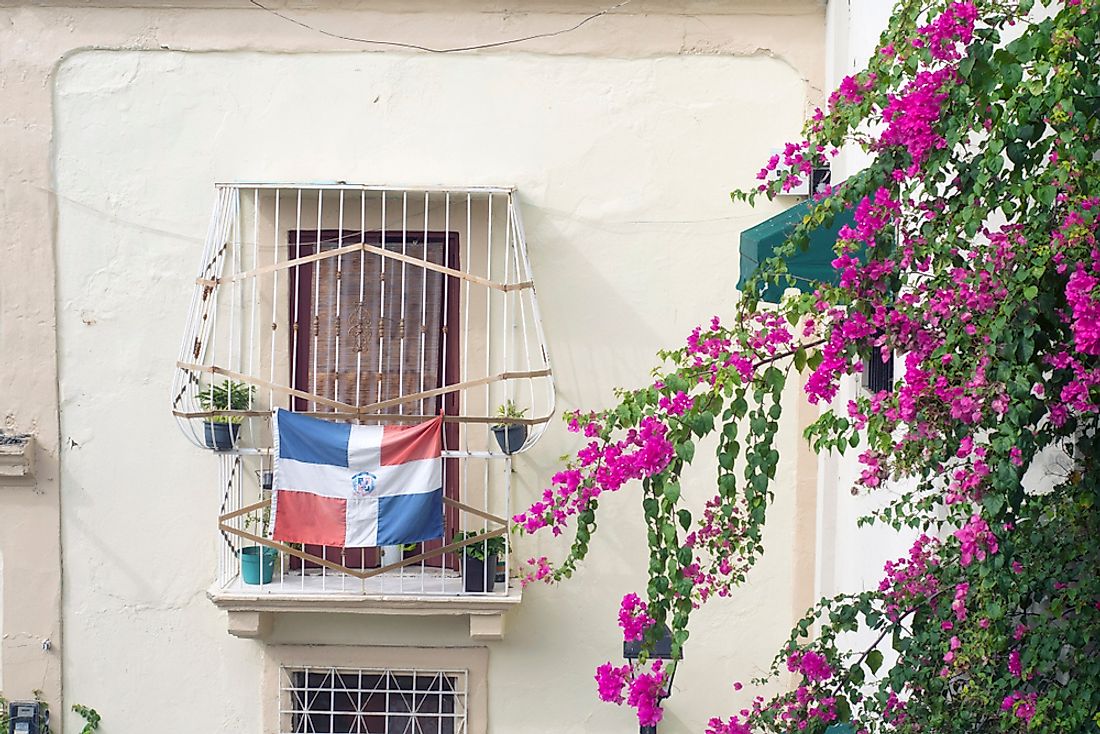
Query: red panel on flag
(401, 444)
(301, 517)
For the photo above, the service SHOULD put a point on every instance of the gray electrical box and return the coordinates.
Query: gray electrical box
(25, 717)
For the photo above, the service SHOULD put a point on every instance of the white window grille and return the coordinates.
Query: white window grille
(323, 700)
(364, 304)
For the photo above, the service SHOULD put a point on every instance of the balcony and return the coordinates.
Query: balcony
(372, 306)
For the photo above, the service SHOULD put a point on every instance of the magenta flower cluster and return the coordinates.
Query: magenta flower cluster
(1020, 705)
(943, 36)
(976, 540)
(912, 116)
(1076, 239)
(812, 665)
(643, 452)
(1085, 310)
(633, 618)
(717, 544)
(540, 570)
(642, 689)
(912, 580)
(714, 351)
(851, 90)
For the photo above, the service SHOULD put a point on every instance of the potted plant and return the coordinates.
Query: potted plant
(479, 560)
(258, 564)
(258, 561)
(220, 431)
(510, 436)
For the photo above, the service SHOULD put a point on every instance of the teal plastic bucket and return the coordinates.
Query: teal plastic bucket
(251, 567)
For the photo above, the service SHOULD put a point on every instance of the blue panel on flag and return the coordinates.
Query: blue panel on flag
(312, 440)
(410, 518)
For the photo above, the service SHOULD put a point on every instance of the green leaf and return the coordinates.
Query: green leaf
(993, 503)
(966, 66)
(874, 661)
(684, 516)
(775, 379)
(800, 359)
(1017, 152)
(856, 676)
(672, 491)
(668, 533)
(843, 709)
(702, 424)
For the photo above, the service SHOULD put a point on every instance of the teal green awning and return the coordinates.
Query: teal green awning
(812, 266)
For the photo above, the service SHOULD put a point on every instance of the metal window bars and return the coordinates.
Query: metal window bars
(326, 700)
(367, 304)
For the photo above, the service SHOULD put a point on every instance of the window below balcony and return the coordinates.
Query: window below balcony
(347, 689)
(322, 700)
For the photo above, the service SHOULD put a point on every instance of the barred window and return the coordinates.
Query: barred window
(878, 374)
(325, 700)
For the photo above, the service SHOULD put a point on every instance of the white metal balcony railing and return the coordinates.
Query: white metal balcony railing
(390, 571)
(364, 304)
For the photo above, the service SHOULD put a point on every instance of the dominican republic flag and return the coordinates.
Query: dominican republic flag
(343, 485)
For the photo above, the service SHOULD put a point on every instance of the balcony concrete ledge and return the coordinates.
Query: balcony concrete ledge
(251, 615)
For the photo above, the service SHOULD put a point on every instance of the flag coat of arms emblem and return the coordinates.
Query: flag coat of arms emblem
(344, 485)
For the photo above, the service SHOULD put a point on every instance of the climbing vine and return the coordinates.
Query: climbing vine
(973, 257)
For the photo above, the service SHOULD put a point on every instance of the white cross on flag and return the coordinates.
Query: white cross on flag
(342, 485)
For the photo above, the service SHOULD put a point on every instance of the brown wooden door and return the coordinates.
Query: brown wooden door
(367, 329)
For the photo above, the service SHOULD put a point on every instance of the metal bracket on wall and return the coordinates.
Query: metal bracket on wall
(16, 457)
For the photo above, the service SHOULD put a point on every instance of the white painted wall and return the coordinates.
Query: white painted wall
(849, 558)
(623, 168)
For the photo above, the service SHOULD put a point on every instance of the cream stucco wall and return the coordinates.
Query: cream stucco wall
(622, 138)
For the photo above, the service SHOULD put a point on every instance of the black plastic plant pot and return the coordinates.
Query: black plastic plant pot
(510, 438)
(474, 575)
(220, 436)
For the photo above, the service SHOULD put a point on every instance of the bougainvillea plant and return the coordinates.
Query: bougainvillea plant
(974, 259)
